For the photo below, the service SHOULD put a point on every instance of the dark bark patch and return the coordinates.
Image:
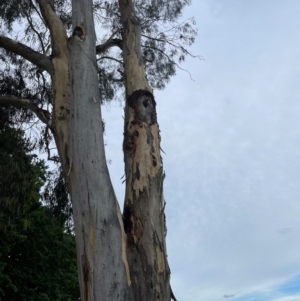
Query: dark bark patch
(63, 113)
(138, 229)
(154, 160)
(113, 288)
(150, 139)
(144, 288)
(102, 232)
(133, 226)
(144, 106)
(136, 122)
(127, 218)
(137, 174)
(129, 142)
(79, 32)
(86, 275)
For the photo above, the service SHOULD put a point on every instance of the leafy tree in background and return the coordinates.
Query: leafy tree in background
(56, 198)
(37, 255)
(37, 262)
(21, 174)
(62, 73)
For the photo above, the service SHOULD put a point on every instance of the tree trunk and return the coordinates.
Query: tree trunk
(144, 218)
(101, 257)
(77, 127)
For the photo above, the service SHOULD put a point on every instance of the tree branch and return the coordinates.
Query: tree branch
(47, 138)
(27, 53)
(110, 58)
(41, 114)
(175, 45)
(108, 44)
(56, 27)
(172, 61)
(29, 19)
(37, 11)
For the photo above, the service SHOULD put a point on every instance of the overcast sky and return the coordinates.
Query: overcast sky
(232, 144)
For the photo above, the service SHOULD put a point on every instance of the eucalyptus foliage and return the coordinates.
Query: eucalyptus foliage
(165, 41)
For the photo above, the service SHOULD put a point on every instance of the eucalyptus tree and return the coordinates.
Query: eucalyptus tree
(66, 73)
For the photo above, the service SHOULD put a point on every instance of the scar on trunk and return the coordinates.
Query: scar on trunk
(63, 113)
(144, 106)
(79, 32)
(144, 110)
(129, 142)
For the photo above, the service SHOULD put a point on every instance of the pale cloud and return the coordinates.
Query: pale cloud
(229, 296)
(289, 298)
(284, 230)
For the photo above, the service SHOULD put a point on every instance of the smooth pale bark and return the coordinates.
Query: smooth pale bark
(102, 264)
(144, 218)
(60, 82)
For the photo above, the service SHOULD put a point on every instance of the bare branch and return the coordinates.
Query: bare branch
(37, 11)
(175, 45)
(27, 53)
(110, 58)
(29, 19)
(41, 114)
(47, 137)
(172, 61)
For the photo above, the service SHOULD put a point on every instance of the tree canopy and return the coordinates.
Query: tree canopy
(164, 43)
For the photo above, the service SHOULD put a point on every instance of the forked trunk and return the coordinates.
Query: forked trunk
(144, 218)
(115, 262)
